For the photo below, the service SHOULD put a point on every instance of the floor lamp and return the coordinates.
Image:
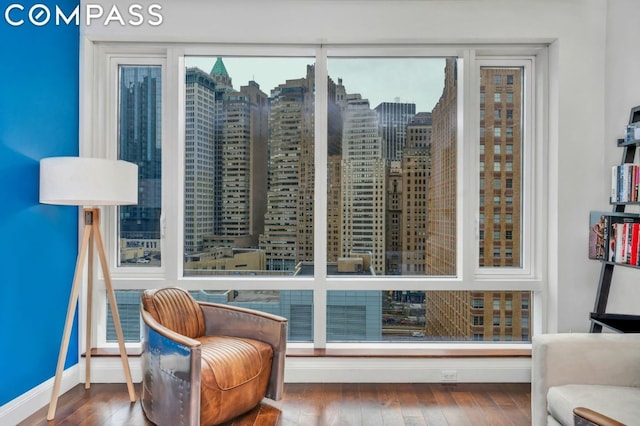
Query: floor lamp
(81, 181)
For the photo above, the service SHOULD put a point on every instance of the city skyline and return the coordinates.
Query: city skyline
(392, 173)
(376, 79)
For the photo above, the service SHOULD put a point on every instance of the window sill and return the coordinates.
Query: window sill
(449, 352)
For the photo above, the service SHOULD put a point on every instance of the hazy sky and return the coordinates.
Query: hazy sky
(410, 80)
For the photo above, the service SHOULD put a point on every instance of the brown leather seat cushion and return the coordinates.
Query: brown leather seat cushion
(234, 377)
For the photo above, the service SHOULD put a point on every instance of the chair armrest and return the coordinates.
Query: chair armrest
(171, 375)
(584, 417)
(166, 332)
(234, 321)
(581, 358)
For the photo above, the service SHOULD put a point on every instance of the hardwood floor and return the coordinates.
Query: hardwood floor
(388, 404)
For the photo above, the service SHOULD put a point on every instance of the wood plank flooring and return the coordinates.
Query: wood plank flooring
(305, 404)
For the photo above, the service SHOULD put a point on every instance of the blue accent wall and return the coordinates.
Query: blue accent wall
(38, 243)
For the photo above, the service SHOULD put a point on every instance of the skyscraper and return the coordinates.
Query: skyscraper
(363, 183)
(447, 312)
(394, 213)
(500, 173)
(200, 158)
(244, 164)
(416, 165)
(289, 214)
(506, 313)
(223, 85)
(393, 118)
(337, 103)
(307, 172)
(442, 189)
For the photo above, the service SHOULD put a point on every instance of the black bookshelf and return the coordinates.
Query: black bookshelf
(621, 323)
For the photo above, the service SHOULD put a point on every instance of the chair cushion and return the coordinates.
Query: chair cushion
(234, 376)
(621, 403)
(175, 309)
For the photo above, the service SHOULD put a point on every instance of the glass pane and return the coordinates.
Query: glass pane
(392, 165)
(420, 316)
(501, 195)
(249, 165)
(296, 305)
(129, 312)
(140, 142)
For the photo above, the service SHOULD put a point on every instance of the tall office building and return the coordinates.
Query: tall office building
(442, 183)
(447, 312)
(140, 137)
(244, 164)
(223, 85)
(500, 171)
(394, 233)
(505, 314)
(306, 172)
(337, 97)
(393, 118)
(363, 183)
(288, 225)
(334, 207)
(416, 165)
(200, 159)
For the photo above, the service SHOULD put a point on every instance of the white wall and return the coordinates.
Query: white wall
(575, 30)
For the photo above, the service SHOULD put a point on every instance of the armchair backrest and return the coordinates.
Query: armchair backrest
(175, 309)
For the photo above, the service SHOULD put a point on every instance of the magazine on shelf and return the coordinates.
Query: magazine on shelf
(597, 236)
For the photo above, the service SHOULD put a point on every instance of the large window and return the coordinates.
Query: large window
(386, 196)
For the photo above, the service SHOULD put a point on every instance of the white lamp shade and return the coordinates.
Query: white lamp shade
(81, 181)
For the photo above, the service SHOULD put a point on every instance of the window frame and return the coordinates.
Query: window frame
(99, 138)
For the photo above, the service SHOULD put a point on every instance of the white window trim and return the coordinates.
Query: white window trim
(99, 138)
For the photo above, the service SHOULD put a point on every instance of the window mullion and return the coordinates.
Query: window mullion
(320, 202)
(468, 162)
(173, 166)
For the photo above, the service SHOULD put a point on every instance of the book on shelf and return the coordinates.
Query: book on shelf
(625, 183)
(623, 234)
(615, 237)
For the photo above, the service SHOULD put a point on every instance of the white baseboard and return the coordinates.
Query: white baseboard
(110, 370)
(301, 370)
(407, 370)
(26, 404)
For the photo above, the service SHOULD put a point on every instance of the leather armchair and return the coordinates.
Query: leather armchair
(206, 363)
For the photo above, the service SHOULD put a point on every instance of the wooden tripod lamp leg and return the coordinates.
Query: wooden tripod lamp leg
(68, 325)
(114, 307)
(90, 233)
(88, 327)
